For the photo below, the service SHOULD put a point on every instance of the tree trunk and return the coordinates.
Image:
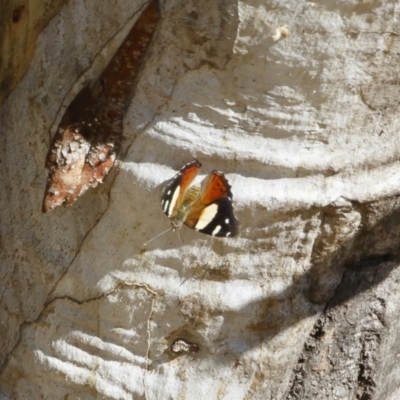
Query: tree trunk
(298, 104)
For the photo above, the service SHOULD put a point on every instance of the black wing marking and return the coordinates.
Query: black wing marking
(223, 223)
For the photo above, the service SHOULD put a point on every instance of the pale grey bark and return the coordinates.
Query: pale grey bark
(297, 103)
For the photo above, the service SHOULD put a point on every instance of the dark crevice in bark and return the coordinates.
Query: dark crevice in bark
(89, 136)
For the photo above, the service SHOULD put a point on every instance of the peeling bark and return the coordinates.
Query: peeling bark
(89, 136)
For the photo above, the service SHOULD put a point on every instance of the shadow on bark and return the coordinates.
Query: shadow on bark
(340, 356)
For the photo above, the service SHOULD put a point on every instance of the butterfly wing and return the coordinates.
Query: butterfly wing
(174, 192)
(212, 214)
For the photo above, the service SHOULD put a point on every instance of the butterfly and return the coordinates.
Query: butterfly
(206, 208)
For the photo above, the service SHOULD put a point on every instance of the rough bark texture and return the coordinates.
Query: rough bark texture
(298, 104)
(89, 136)
(21, 21)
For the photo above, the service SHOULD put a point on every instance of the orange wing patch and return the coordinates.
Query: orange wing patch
(214, 187)
(188, 174)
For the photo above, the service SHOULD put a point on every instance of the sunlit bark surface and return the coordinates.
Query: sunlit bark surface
(298, 104)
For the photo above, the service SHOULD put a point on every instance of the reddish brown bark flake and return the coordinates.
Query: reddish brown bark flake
(89, 135)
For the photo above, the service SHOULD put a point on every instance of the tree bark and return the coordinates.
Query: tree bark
(297, 103)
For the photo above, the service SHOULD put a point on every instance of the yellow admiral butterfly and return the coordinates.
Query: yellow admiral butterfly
(206, 208)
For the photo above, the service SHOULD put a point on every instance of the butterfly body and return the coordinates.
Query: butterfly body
(183, 210)
(206, 208)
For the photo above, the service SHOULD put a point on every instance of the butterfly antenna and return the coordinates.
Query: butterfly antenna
(155, 237)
